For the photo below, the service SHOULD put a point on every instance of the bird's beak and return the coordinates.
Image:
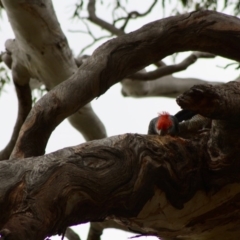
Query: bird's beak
(159, 132)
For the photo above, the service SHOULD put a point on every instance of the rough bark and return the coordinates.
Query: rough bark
(170, 187)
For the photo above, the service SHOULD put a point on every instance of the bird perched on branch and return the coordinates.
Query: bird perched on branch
(166, 124)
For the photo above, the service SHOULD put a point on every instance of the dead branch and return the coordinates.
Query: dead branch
(100, 22)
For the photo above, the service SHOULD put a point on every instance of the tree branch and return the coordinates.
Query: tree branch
(24, 106)
(163, 85)
(122, 56)
(45, 54)
(163, 186)
(113, 177)
(170, 69)
(134, 15)
(21, 82)
(218, 103)
(98, 21)
(71, 235)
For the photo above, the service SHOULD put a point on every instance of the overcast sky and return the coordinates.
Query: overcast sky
(120, 115)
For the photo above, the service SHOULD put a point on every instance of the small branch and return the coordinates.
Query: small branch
(71, 235)
(96, 228)
(24, 106)
(93, 18)
(134, 15)
(92, 43)
(170, 69)
(6, 58)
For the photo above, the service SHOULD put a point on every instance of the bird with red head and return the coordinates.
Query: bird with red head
(166, 124)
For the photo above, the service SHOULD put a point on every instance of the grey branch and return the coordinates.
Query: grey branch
(48, 58)
(164, 84)
(71, 235)
(100, 22)
(134, 15)
(24, 97)
(170, 69)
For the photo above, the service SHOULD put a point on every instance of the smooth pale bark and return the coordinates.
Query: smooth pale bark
(41, 50)
(167, 86)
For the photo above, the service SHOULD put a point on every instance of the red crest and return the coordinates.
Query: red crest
(164, 121)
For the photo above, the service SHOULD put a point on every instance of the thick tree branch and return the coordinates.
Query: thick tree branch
(122, 56)
(24, 106)
(219, 104)
(111, 177)
(164, 186)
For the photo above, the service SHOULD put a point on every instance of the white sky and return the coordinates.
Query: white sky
(119, 114)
